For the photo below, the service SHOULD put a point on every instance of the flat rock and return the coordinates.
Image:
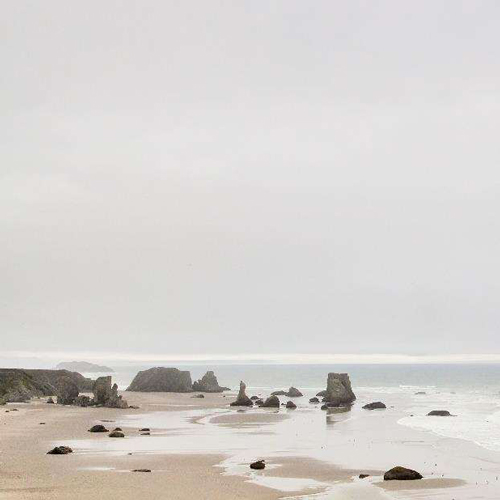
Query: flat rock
(378, 405)
(141, 470)
(439, 413)
(60, 450)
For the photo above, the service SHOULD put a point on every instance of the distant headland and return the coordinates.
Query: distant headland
(83, 366)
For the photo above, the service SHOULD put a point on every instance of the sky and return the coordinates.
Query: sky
(232, 179)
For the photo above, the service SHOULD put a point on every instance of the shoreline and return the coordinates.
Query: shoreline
(307, 451)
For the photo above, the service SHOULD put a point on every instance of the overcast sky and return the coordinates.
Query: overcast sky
(238, 177)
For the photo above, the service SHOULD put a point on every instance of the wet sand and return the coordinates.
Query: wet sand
(200, 448)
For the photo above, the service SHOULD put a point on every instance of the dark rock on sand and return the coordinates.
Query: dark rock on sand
(242, 399)
(60, 450)
(98, 428)
(67, 391)
(314, 400)
(271, 402)
(198, 396)
(401, 474)
(162, 379)
(338, 389)
(259, 465)
(291, 405)
(145, 433)
(144, 429)
(363, 476)
(208, 383)
(106, 394)
(141, 470)
(378, 405)
(116, 434)
(439, 413)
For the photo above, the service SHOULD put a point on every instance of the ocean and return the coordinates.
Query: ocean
(469, 391)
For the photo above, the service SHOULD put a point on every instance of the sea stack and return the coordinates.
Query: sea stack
(107, 395)
(208, 383)
(162, 379)
(338, 390)
(242, 399)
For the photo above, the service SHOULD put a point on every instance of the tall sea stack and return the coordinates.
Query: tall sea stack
(338, 390)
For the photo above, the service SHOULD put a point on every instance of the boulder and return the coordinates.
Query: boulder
(242, 399)
(116, 434)
(378, 405)
(208, 383)
(98, 428)
(271, 402)
(294, 393)
(291, 405)
(144, 429)
(439, 413)
(338, 390)
(60, 450)
(278, 393)
(67, 391)
(314, 400)
(401, 474)
(107, 395)
(363, 476)
(259, 465)
(141, 470)
(162, 379)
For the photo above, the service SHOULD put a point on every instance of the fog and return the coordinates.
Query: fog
(249, 178)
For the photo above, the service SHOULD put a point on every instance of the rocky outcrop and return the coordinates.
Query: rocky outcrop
(162, 379)
(401, 474)
(208, 383)
(291, 393)
(439, 413)
(18, 385)
(378, 405)
(106, 394)
(67, 391)
(242, 399)
(338, 390)
(271, 402)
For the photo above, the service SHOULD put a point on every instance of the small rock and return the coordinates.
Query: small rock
(401, 474)
(439, 413)
(254, 398)
(145, 433)
(420, 393)
(259, 465)
(141, 470)
(198, 396)
(363, 476)
(98, 428)
(378, 405)
(41, 423)
(118, 429)
(314, 400)
(271, 402)
(60, 450)
(144, 429)
(116, 434)
(291, 405)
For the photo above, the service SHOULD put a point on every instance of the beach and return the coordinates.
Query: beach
(202, 448)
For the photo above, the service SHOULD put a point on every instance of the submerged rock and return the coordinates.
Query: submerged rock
(259, 465)
(378, 405)
(439, 413)
(402, 474)
(242, 399)
(60, 450)
(271, 402)
(162, 379)
(208, 383)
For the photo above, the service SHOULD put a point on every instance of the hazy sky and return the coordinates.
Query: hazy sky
(222, 177)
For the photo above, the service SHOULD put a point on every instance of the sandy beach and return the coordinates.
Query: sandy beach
(201, 448)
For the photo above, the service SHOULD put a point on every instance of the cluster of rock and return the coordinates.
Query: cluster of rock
(18, 386)
(105, 394)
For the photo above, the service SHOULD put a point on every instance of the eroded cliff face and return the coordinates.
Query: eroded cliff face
(208, 383)
(338, 389)
(162, 379)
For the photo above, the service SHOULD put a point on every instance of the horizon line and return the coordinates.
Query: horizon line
(283, 358)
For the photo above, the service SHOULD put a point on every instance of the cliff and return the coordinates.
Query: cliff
(162, 379)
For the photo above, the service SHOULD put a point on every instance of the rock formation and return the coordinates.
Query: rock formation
(107, 395)
(291, 393)
(378, 405)
(208, 383)
(271, 402)
(259, 465)
(401, 474)
(162, 379)
(242, 399)
(338, 390)
(67, 391)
